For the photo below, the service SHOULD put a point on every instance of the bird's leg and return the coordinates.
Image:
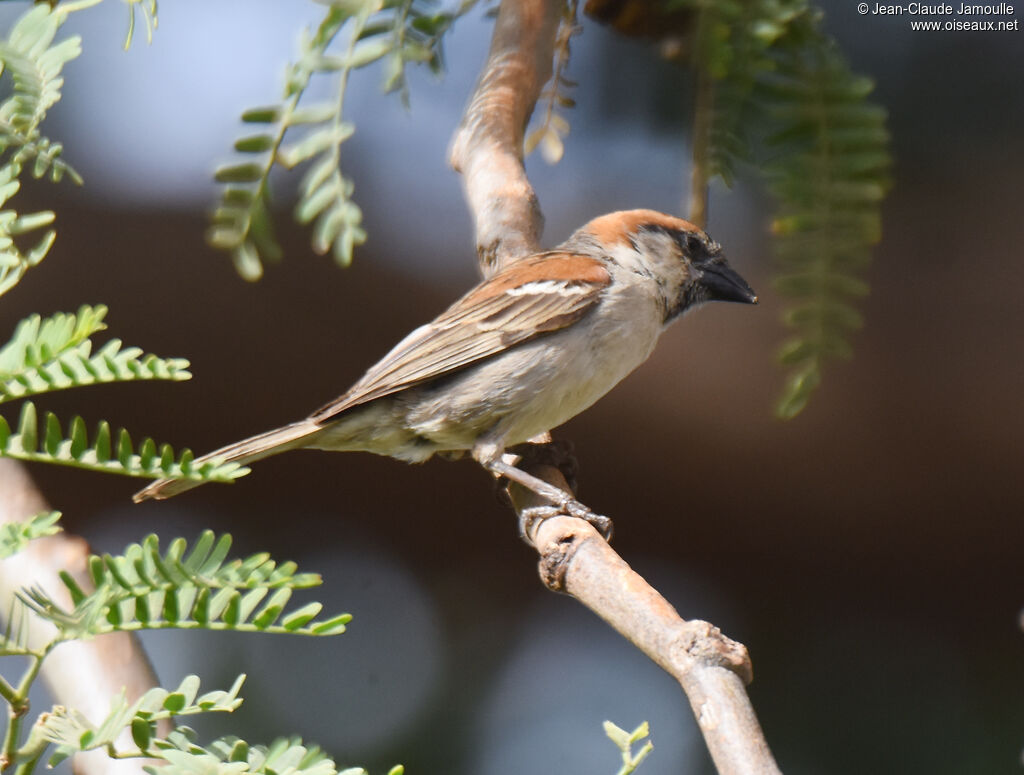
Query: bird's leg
(490, 457)
(545, 451)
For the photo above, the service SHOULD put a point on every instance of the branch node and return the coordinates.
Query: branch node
(556, 557)
(706, 644)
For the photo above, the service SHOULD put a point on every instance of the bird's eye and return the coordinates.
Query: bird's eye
(694, 245)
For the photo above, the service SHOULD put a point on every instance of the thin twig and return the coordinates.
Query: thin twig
(701, 140)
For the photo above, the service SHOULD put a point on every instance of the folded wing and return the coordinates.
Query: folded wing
(532, 297)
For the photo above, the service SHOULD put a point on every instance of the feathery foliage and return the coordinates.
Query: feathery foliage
(553, 125)
(35, 62)
(393, 32)
(56, 353)
(829, 176)
(15, 261)
(71, 732)
(36, 341)
(231, 756)
(784, 99)
(145, 589)
(49, 444)
(15, 536)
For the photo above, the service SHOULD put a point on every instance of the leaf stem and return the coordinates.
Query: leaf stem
(398, 44)
(7, 756)
(702, 117)
(27, 757)
(298, 80)
(18, 699)
(7, 691)
(26, 766)
(357, 28)
(35, 662)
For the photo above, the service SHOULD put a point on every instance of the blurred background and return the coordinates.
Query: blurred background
(868, 552)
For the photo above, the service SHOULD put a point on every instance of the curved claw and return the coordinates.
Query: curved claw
(529, 517)
(601, 523)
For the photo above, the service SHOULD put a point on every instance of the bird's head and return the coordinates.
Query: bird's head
(685, 263)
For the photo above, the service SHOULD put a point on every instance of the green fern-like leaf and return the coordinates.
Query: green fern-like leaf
(736, 48)
(181, 589)
(35, 63)
(15, 261)
(71, 732)
(231, 756)
(829, 177)
(15, 536)
(241, 224)
(50, 444)
(180, 754)
(56, 353)
(394, 34)
(80, 367)
(785, 98)
(37, 340)
(416, 29)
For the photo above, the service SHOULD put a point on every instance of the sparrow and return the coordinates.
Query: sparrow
(518, 355)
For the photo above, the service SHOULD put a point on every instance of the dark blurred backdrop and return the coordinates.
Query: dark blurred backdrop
(868, 552)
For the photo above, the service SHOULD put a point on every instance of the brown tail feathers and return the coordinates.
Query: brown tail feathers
(241, 452)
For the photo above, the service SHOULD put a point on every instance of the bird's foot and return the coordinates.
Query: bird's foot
(601, 523)
(561, 502)
(530, 517)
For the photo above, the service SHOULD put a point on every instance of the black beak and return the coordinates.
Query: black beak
(723, 283)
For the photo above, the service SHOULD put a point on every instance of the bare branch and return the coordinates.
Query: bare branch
(84, 675)
(488, 145)
(711, 668)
